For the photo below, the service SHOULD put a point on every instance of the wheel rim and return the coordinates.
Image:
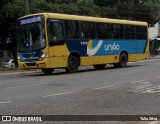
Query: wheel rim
(72, 64)
(124, 60)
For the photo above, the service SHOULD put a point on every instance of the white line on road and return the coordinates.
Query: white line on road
(26, 85)
(5, 102)
(103, 87)
(137, 81)
(58, 94)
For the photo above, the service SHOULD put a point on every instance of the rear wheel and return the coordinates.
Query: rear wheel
(123, 59)
(47, 71)
(99, 67)
(72, 64)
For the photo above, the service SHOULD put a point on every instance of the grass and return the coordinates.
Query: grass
(8, 68)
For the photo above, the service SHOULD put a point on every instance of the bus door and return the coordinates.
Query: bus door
(57, 47)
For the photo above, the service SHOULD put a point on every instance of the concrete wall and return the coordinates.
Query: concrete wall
(154, 31)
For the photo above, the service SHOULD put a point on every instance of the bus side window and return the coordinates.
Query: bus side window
(55, 33)
(129, 32)
(88, 30)
(82, 35)
(117, 31)
(141, 32)
(72, 29)
(103, 31)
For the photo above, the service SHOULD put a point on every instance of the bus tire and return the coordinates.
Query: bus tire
(123, 59)
(99, 67)
(72, 65)
(47, 71)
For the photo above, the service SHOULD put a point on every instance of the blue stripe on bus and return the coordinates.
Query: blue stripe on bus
(107, 47)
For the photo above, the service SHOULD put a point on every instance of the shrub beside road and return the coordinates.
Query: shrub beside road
(8, 69)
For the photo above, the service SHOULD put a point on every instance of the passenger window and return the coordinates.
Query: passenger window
(117, 31)
(88, 30)
(141, 32)
(103, 31)
(55, 33)
(129, 32)
(72, 30)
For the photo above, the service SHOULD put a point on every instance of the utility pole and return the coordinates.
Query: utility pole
(26, 7)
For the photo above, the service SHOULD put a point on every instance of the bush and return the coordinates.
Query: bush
(8, 68)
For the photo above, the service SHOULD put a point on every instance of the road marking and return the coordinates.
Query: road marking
(154, 89)
(137, 81)
(143, 89)
(143, 86)
(158, 77)
(5, 102)
(58, 94)
(103, 87)
(26, 85)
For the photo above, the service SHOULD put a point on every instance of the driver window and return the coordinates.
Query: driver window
(55, 34)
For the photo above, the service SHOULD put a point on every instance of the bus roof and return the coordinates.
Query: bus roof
(88, 18)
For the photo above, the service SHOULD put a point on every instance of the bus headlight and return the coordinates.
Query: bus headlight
(43, 56)
(19, 58)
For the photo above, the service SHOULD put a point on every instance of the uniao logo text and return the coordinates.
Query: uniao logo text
(113, 46)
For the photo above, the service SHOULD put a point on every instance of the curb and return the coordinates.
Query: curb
(18, 72)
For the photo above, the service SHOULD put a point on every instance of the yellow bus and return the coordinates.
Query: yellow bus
(48, 41)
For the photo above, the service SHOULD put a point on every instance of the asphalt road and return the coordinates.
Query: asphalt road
(133, 90)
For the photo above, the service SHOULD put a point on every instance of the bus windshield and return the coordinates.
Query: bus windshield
(31, 37)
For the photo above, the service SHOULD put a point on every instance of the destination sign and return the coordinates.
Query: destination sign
(31, 20)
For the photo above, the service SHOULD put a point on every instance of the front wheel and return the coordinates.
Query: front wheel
(72, 65)
(47, 71)
(123, 59)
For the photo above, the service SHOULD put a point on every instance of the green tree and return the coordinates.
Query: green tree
(104, 3)
(87, 7)
(141, 10)
(9, 12)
